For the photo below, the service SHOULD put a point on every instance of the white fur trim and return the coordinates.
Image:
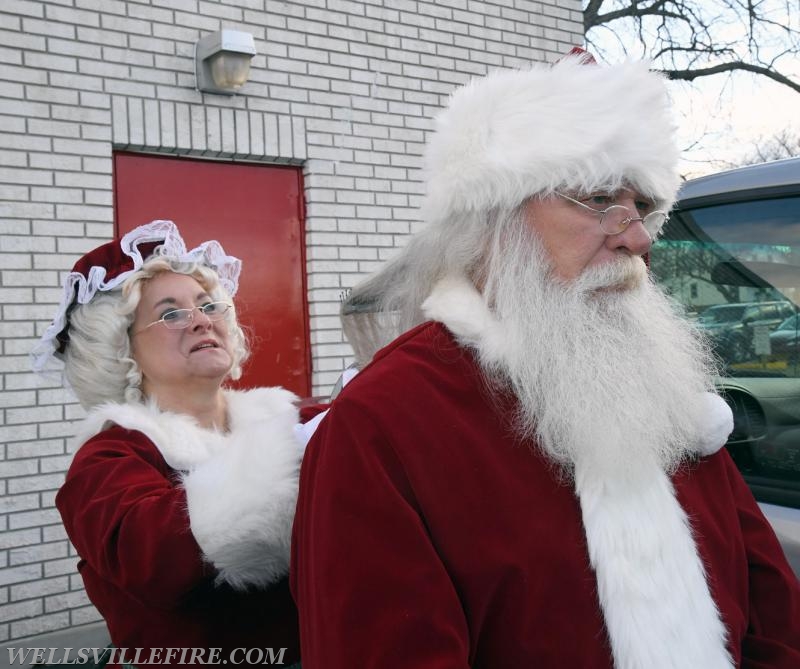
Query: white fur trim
(241, 487)
(717, 424)
(180, 440)
(242, 501)
(455, 302)
(515, 133)
(657, 606)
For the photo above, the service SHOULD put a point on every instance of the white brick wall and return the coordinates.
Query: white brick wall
(345, 88)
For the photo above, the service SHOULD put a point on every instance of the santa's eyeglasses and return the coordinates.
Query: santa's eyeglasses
(614, 220)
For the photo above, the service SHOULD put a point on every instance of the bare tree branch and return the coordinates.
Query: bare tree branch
(634, 9)
(691, 75)
(689, 40)
(783, 145)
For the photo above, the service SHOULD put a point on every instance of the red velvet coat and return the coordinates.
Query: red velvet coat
(170, 572)
(426, 536)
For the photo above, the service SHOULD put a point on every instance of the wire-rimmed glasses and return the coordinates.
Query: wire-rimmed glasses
(180, 319)
(614, 220)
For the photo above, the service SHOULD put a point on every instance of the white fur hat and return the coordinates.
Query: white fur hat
(573, 125)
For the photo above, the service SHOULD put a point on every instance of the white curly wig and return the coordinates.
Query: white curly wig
(98, 363)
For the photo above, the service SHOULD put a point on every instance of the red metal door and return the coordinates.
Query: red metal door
(256, 213)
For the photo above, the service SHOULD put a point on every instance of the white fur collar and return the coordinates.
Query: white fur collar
(241, 487)
(657, 606)
(182, 442)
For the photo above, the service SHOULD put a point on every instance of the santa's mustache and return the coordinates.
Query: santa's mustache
(623, 273)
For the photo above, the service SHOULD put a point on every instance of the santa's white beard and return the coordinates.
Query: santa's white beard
(609, 381)
(603, 367)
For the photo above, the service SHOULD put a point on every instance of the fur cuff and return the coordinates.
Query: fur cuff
(241, 502)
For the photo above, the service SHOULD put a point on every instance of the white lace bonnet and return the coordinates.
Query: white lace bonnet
(106, 268)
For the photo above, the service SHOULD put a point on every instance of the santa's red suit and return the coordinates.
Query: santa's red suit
(183, 532)
(428, 536)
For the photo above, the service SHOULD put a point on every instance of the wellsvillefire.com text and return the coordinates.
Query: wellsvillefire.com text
(144, 656)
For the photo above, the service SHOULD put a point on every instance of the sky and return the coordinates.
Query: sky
(721, 118)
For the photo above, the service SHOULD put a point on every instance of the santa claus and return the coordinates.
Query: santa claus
(528, 472)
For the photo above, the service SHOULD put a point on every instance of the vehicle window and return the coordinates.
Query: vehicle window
(736, 268)
(790, 323)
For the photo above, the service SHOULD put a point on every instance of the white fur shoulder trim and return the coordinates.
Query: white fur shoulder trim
(457, 304)
(181, 441)
(241, 487)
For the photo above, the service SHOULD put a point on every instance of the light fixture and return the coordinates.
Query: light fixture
(222, 61)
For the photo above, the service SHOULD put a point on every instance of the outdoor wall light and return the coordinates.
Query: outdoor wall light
(222, 61)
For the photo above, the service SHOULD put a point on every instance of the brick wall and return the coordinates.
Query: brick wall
(345, 88)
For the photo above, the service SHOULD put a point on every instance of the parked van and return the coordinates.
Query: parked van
(730, 253)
